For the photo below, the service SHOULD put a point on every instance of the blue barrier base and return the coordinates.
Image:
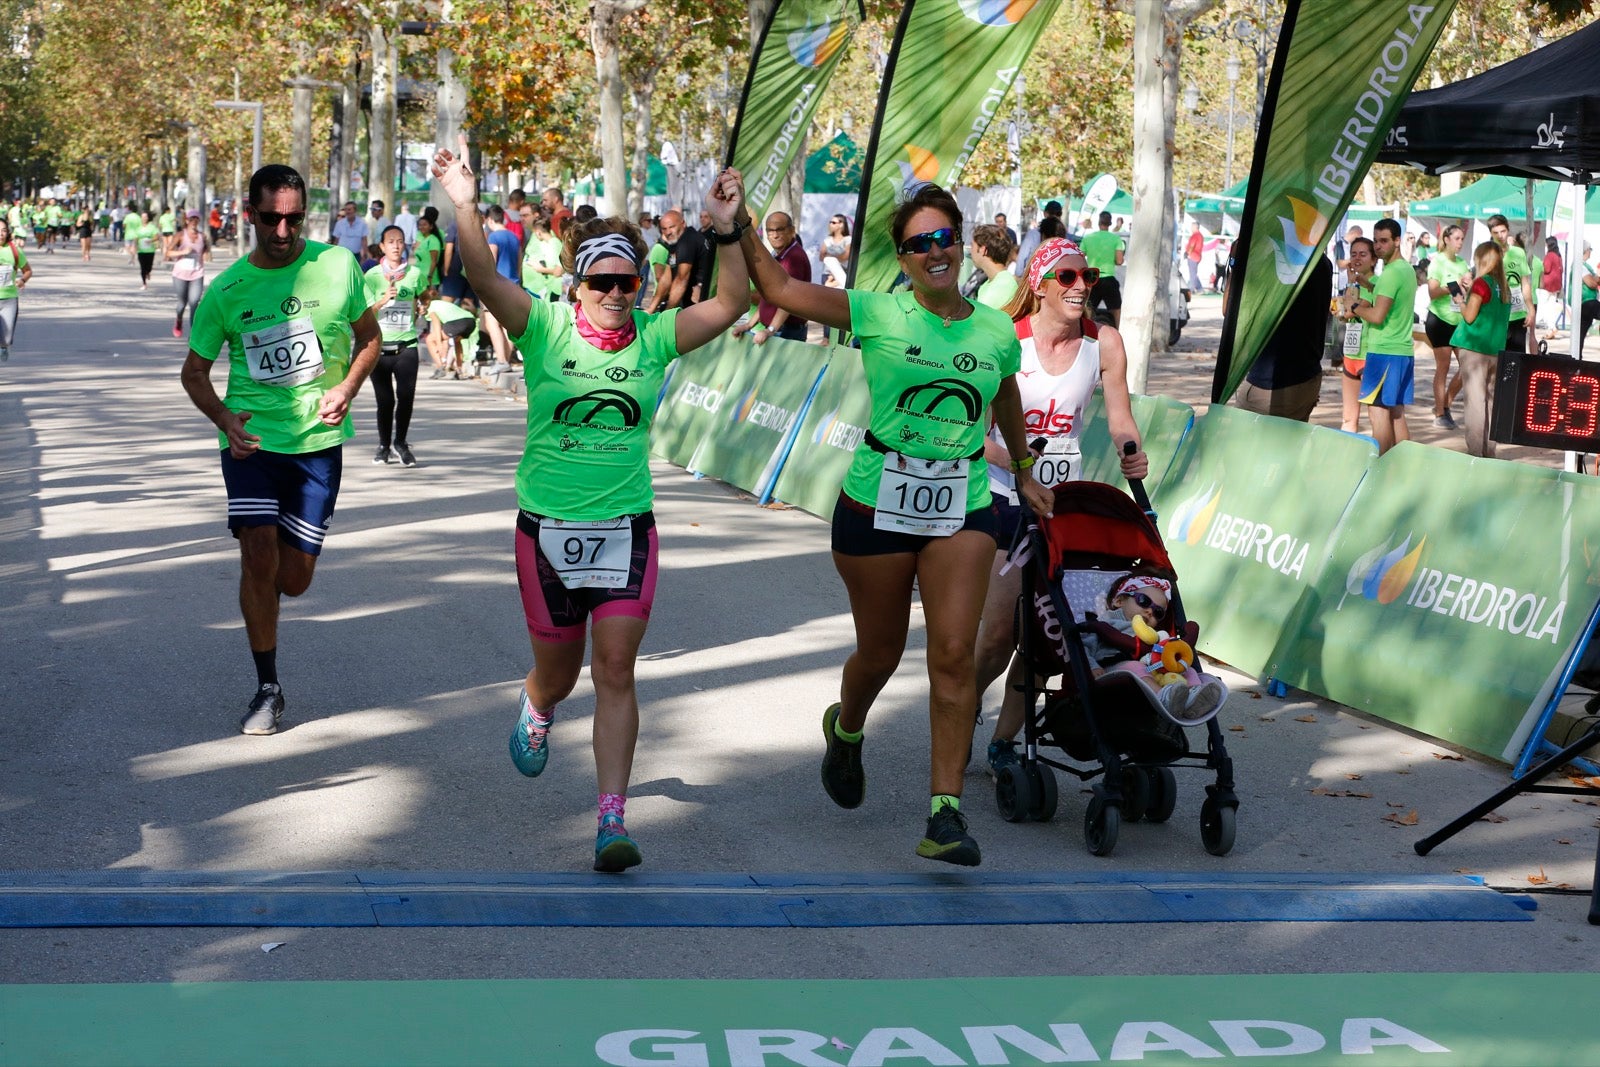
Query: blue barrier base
(307, 899)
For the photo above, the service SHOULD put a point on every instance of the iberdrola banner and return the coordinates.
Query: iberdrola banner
(950, 66)
(799, 50)
(1342, 71)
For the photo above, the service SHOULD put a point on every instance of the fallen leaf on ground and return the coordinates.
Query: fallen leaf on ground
(1393, 804)
(1538, 879)
(1464, 870)
(1362, 726)
(694, 524)
(1563, 841)
(1448, 755)
(1493, 816)
(1268, 718)
(1236, 728)
(1408, 819)
(777, 505)
(1255, 694)
(1305, 718)
(1321, 792)
(1354, 777)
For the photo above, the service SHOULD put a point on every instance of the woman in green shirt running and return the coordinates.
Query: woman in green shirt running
(585, 532)
(14, 274)
(915, 510)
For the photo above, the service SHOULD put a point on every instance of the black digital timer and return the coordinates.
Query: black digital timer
(1546, 401)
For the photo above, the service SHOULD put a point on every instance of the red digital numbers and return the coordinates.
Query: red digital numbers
(1562, 403)
(1583, 405)
(1543, 412)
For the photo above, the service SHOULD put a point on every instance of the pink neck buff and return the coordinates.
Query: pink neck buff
(606, 340)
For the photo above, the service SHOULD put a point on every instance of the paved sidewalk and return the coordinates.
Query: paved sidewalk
(125, 671)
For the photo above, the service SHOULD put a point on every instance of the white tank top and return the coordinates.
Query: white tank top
(1052, 409)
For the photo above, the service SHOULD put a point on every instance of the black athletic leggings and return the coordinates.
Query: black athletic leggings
(394, 383)
(147, 261)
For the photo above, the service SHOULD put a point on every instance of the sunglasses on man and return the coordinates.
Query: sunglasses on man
(270, 219)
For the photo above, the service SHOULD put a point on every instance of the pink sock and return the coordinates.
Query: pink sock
(611, 805)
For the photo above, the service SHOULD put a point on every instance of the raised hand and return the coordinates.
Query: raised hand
(726, 198)
(455, 175)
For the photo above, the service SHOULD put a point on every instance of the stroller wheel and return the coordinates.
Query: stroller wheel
(1043, 782)
(1135, 793)
(1163, 794)
(1216, 827)
(1014, 793)
(1101, 824)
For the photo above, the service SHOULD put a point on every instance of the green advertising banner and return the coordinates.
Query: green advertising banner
(834, 425)
(1333, 95)
(799, 50)
(1456, 587)
(951, 64)
(1374, 1020)
(1249, 512)
(1162, 423)
(742, 445)
(696, 393)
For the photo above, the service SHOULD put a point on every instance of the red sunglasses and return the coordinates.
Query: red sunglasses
(1068, 275)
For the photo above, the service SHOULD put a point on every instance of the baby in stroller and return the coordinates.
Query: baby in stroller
(1131, 635)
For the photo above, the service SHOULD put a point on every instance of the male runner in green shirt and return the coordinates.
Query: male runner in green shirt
(285, 316)
(1104, 251)
(1387, 379)
(1519, 280)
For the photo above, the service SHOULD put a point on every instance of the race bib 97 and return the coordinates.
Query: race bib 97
(285, 355)
(588, 555)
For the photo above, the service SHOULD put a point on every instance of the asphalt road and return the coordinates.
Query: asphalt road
(125, 670)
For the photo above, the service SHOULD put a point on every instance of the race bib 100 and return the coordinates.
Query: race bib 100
(287, 354)
(925, 497)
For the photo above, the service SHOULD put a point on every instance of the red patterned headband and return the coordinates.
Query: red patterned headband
(1048, 255)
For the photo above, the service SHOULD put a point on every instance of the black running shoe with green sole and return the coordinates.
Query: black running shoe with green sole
(947, 839)
(842, 777)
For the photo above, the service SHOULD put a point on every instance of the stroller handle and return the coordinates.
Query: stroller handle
(1136, 485)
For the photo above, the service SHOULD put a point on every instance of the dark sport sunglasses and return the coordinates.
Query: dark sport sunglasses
(604, 283)
(924, 242)
(270, 219)
(1067, 275)
(1145, 602)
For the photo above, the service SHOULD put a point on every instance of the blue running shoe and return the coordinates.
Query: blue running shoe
(530, 744)
(1002, 754)
(614, 850)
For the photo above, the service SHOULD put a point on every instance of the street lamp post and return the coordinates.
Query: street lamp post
(1233, 86)
(255, 164)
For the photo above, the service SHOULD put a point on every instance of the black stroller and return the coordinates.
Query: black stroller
(1112, 723)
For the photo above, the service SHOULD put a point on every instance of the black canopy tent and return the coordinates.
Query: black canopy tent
(1537, 116)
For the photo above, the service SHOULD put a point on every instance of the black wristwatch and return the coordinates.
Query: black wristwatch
(728, 238)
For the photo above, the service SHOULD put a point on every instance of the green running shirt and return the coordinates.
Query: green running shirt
(248, 308)
(586, 455)
(931, 384)
(398, 321)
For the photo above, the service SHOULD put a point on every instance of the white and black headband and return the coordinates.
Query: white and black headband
(604, 246)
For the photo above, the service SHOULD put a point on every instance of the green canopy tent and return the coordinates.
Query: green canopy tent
(1121, 203)
(1228, 202)
(835, 167)
(655, 181)
(1496, 195)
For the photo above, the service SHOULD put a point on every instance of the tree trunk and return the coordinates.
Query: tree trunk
(380, 128)
(351, 110)
(197, 169)
(605, 18)
(643, 131)
(450, 105)
(1157, 47)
